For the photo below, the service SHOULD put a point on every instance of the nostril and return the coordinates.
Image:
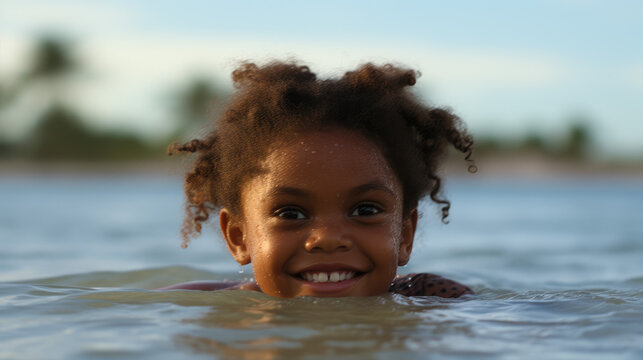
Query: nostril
(343, 247)
(315, 248)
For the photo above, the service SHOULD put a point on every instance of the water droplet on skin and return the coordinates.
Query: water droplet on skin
(313, 152)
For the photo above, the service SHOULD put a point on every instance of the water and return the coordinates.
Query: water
(556, 266)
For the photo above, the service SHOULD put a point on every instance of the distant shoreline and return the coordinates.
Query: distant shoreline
(527, 167)
(99, 168)
(538, 167)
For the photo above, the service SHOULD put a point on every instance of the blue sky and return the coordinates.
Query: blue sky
(505, 66)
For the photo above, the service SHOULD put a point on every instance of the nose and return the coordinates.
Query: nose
(328, 239)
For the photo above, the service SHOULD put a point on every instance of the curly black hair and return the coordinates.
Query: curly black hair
(275, 101)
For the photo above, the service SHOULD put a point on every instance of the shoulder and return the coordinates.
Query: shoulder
(425, 284)
(212, 286)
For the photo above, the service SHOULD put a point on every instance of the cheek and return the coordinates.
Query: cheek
(259, 244)
(395, 226)
(386, 250)
(270, 253)
(269, 250)
(383, 241)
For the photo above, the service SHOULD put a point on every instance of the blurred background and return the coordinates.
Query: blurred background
(92, 92)
(116, 81)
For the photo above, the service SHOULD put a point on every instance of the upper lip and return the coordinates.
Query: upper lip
(328, 267)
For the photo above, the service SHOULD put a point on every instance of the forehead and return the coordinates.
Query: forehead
(334, 159)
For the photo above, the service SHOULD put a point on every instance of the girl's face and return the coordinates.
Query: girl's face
(325, 219)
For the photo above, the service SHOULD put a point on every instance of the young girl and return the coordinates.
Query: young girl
(317, 182)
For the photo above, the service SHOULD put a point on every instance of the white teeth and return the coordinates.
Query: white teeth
(334, 276)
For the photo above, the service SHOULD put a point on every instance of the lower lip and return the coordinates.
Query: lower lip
(329, 288)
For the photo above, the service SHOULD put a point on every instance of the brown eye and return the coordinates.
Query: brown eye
(290, 213)
(366, 210)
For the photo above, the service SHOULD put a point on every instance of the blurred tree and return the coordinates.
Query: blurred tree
(534, 142)
(4, 95)
(47, 71)
(487, 144)
(62, 135)
(579, 139)
(52, 60)
(51, 64)
(6, 148)
(195, 102)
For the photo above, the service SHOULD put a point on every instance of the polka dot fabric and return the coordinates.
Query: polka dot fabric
(424, 284)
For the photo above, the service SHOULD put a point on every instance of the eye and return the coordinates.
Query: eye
(366, 210)
(290, 213)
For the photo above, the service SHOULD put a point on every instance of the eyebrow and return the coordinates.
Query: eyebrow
(372, 186)
(288, 190)
(294, 191)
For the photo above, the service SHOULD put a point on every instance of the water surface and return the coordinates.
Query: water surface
(556, 266)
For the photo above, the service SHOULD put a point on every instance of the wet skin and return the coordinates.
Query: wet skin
(327, 203)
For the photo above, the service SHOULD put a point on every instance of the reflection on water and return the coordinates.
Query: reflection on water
(87, 323)
(274, 328)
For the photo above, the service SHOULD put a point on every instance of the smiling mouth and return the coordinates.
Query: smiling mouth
(328, 277)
